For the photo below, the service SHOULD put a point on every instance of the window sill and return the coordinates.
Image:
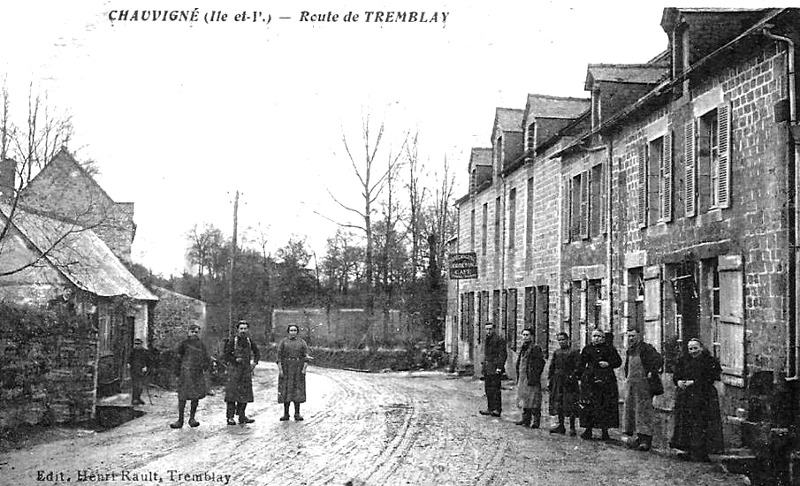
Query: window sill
(714, 215)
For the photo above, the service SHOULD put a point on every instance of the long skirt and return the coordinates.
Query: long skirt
(599, 405)
(292, 383)
(698, 423)
(564, 397)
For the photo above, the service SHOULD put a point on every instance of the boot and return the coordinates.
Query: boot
(181, 410)
(537, 418)
(605, 435)
(572, 432)
(297, 416)
(192, 412)
(645, 442)
(285, 412)
(526, 417)
(230, 412)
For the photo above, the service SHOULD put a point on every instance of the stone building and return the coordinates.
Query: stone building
(675, 196)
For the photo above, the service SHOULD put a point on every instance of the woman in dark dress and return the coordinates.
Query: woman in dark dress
(599, 400)
(292, 363)
(698, 425)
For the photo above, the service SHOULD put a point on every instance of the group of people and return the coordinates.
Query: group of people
(241, 355)
(582, 385)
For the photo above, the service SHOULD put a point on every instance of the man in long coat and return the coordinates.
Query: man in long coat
(494, 362)
(642, 364)
(242, 356)
(192, 360)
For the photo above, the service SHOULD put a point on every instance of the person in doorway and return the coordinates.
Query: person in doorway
(530, 364)
(241, 354)
(599, 397)
(643, 363)
(292, 363)
(494, 362)
(562, 384)
(139, 361)
(698, 426)
(192, 360)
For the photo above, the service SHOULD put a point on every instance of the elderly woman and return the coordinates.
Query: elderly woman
(599, 396)
(292, 362)
(530, 364)
(698, 426)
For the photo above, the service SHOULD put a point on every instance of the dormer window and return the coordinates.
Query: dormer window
(595, 107)
(530, 140)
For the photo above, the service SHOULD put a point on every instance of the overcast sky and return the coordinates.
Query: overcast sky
(180, 115)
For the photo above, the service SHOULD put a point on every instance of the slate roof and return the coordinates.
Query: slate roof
(481, 156)
(509, 119)
(626, 73)
(79, 254)
(544, 106)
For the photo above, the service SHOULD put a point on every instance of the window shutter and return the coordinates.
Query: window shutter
(666, 180)
(584, 226)
(724, 127)
(604, 197)
(653, 330)
(690, 176)
(731, 310)
(566, 223)
(641, 206)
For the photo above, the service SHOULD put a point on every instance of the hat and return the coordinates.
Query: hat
(138, 341)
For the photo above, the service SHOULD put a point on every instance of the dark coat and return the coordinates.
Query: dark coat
(292, 356)
(191, 361)
(239, 385)
(698, 423)
(532, 353)
(139, 359)
(599, 397)
(652, 360)
(494, 355)
(563, 382)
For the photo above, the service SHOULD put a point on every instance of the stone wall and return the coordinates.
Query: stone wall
(47, 367)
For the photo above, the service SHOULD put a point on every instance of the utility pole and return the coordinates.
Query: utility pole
(233, 265)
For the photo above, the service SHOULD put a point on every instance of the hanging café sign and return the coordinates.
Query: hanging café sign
(463, 265)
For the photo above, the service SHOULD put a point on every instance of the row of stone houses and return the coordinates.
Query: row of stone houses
(666, 201)
(65, 241)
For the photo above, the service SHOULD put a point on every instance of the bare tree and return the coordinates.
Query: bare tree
(416, 198)
(372, 181)
(203, 247)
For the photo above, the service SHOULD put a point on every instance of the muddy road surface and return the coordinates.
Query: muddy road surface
(420, 428)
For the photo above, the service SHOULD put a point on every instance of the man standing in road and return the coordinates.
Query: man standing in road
(642, 365)
(494, 362)
(242, 356)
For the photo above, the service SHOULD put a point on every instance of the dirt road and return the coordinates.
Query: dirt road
(375, 429)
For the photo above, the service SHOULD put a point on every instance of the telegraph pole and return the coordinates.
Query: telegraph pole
(233, 265)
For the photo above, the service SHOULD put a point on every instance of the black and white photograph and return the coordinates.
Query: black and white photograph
(364, 243)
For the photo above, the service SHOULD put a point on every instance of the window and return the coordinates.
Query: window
(707, 162)
(531, 139)
(484, 228)
(529, 224)
(512, 217)
(498, 154)
(497, 214)
(652, 331)
(575, 215)
(595, 196)
(542, 321)
(655, 182)
(105, 333)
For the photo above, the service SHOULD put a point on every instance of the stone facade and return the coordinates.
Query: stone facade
(63, 188)
(667, 205)
(172, 316)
